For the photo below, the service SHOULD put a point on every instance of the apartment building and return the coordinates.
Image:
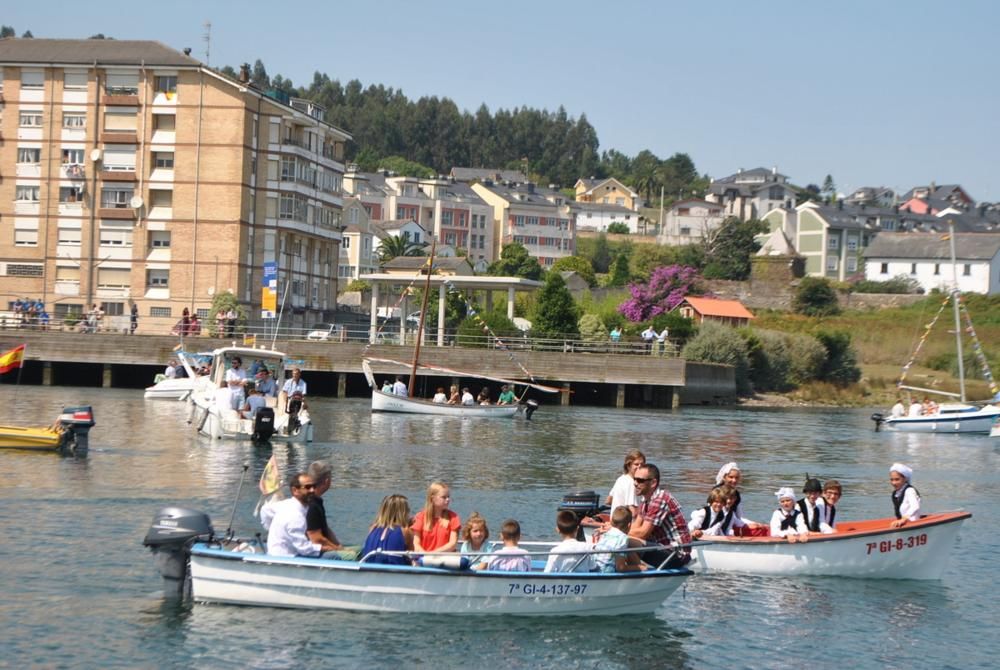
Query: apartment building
(132, 173)
(539, 218)
(750, 194)
(358, 250)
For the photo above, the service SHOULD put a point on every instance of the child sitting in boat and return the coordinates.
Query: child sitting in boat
(807, 505)
(905, 498)
(730, 475)
(713, 518)
(828, 506)
(616, 539)
(510, 558)
(787, 521)
(475, 534)
(435, 527)
(389, 532)
(570, 555)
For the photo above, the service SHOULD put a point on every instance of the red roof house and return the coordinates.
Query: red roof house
(729, 312)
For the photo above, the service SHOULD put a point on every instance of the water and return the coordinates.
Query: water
(80, 591)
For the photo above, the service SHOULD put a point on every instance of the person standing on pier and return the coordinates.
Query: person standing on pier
(648, 336)
(133, 320)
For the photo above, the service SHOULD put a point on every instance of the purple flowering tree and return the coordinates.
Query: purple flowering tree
(667, 287)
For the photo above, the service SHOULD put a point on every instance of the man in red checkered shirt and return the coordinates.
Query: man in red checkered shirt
(660, 521)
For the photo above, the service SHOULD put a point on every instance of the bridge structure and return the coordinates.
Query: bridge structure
(334, 368)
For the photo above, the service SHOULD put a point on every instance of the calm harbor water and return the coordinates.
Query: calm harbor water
(80, 591)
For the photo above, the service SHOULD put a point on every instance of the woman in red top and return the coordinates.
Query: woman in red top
(435, 528)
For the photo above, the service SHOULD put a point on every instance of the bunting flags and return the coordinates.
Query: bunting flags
(11, 360)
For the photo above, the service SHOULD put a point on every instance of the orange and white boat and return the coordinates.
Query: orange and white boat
(865, 549)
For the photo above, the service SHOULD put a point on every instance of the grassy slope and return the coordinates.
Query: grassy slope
(885, 340)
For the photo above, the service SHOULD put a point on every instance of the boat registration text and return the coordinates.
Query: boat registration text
(530, 589)
(898, 544)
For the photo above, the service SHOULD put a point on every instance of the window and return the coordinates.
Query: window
(884, 269)
(26, 238)
(116, 198)
(70, 236)
(160, 312)
(164, 122)
(157, 279)
(30, 119)
(32, 156)
(75, 80)
(202, 313)
(447, 218)
(70, 275)
(163, 159)
(24, 270)
(967, 270)
(913, 268)
(120, 120)
(116, 233)
(113, 308)
(160, 198)
(852, 244)
(166, 84)
(32, 79)
(26, 193)
(72, 156)
(832, 263)
(937, 268)
(69, 194)
(121, 84)
(347, 243)
(852, 264)
(74, 120)
(685, 230)
(113, 278)
(620, 201)
(159, 239)
(833, 243)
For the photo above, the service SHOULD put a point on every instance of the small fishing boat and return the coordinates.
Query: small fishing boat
(69, 433)
(283, 418)
(226, 572)
(864, 549)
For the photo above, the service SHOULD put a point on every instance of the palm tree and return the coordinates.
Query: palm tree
(397, 245)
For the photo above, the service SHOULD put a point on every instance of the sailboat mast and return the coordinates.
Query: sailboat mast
(423, 313)
(955, 296)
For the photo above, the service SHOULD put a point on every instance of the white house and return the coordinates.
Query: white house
(688, 221)
(598, 216)
(926, 257)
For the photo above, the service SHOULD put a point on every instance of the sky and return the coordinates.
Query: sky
(873, 93)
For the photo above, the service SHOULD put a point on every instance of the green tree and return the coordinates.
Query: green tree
(620, 274)
(716, 343)
(647, 257)
(729, 247)
(7, 31)
(601, 258)
(592, 329)
(470, 331)
(27, 35)
(815, 297)
(555, 314)
(829, 188)
(515, 261)
(841, 364)
(618, 228)
(224, 302)
(397, 245)
(576, 264)
(405, 167)
(258, 76)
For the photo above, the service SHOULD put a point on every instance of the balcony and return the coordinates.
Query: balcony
(114, 173)
(117, 212)
(119, 137)
(125, 96)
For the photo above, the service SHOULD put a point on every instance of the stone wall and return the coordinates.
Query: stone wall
(707, 384)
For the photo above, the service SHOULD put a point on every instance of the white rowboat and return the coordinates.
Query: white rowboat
(387, 402)
(864, 549)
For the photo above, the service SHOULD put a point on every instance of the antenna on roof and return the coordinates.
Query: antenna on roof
(207, 38)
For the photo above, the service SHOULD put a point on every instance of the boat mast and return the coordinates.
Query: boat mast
(955, 296)
(423, 313)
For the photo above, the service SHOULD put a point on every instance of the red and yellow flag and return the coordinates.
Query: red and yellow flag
(11, 360)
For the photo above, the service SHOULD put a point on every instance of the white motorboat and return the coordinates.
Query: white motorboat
(291, 420)
(169, 388)
(225, 572)
(864, 549)
(950, 418)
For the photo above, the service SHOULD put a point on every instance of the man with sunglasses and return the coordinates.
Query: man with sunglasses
(660, 521)
(287, 533)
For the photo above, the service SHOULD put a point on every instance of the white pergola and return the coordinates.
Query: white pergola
(464, 283)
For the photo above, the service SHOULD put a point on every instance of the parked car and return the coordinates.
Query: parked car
(325, 331)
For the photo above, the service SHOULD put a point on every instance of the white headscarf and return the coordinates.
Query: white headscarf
(904, 470)
(724, 470)
(784, 492)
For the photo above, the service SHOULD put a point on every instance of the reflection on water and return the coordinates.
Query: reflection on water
(81, 521)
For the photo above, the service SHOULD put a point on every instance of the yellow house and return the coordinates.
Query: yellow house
(608, 192)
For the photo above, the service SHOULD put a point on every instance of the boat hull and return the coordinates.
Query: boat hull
(387, 402)
(205, 416)
(220, 576)
(170, 389)
(864, 549)
(979, 421)
(42, 439)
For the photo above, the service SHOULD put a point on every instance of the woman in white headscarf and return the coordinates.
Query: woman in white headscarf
(905, 498)
(730, 475)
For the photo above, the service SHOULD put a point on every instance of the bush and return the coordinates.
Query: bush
(841, 364)
(618, 228)
(781, 361)
(472, 334)
(358, 285)
(899, 284)
(807, 356)
(681, 327)
(716, 343)
(555, 314)
(592, 329)
(224, 302)
(815, 297)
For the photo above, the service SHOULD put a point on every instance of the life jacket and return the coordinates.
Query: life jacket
(721, 518)
(788, 523)
(811, 523)
(897, 502)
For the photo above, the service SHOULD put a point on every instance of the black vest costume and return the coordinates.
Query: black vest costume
(813, 523)
(897, 502)
(788, 523)
(722, 518)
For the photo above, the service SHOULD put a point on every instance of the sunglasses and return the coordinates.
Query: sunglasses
(642, 480)
(306, 486)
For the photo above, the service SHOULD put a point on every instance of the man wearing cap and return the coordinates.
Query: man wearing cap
(506, 396)
(317, 528)
(660, 521)
(905, 498)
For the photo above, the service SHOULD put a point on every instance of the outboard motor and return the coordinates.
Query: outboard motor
(878, 419)
(77, 422)
(293, 409)
(263, 424)
(529, 408)
(170, 536)
(583, 504)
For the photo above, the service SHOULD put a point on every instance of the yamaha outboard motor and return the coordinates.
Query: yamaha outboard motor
(583, 504)
(77, 422)
(529, 408)
(263, 424)
(293, 409)
(173, 531)
(878, 419)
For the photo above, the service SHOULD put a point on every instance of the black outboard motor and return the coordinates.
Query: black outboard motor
(583, 504)
(292, 409)
(263, 424)
(77, 422)
(878, 419)
(529, 408)
(173, 531)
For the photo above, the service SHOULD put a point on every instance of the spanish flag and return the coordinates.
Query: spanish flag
(12, 359)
